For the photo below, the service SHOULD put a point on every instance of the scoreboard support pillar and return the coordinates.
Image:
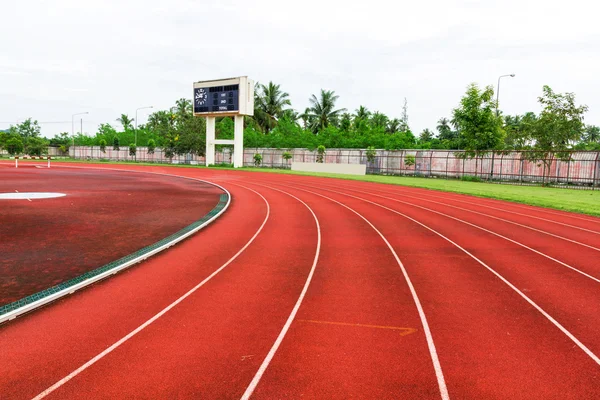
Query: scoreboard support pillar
(238, 142)
(210, 141)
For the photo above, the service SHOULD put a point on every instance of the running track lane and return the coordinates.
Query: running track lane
(520, 364)
(357, 321)
(40, 348)
(472, 388)
(212, 343)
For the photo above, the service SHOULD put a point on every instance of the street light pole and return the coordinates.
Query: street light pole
(141, 108)
(73, 124)
(498, 90)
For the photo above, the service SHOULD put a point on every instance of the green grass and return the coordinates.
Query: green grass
(581, 201)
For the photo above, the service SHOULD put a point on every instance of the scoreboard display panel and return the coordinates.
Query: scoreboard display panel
(233, 96)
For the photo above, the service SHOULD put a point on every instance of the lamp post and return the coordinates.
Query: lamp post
(73, 124)
(141, 108)
(498, 90)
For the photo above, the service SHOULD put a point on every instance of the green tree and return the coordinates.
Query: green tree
(102, 143)
(322, 110)
(518, 130)
(426, 136)
(480, 129)
(151, 146)
(14, 145)
(125, 121)
(269, 104)
(26, 129)
(321, 154)
(132, 150)
(379, 121)
(36, 146)
(394, 125)
(116, 143)
(558, 126)
(591, 134)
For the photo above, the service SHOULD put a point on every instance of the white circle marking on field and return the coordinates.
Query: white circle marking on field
(29, 195)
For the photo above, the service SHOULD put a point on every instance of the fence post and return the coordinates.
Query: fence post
(430, 160)
(595, 173)
(447, 157)
(492, 167)
(569, 167)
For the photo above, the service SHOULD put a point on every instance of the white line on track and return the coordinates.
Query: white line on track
(531, 302)
(470, 211)
(531, 208)
(470, 224)
(157, 316)
(518, 213)
(265, 364)
(429, 337)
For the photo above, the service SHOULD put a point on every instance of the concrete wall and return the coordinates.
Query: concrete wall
(347, 169)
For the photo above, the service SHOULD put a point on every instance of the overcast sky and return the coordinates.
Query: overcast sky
(109, 57)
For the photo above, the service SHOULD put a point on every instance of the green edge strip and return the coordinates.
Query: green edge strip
(114, 264)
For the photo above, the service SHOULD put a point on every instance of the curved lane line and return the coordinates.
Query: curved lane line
(431, 346)
(157, 316)
(525, 215)
(471, 211)
(265, 364)
(531, 302)
(473, 225)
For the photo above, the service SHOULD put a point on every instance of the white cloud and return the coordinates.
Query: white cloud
(109, 57)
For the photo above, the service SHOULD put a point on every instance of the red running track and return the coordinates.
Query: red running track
(414, 294)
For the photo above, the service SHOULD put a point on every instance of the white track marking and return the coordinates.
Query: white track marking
(474, 212)
(518, 213)
(530, 208)
(531, 302)
(429, 337)
(155, 317)
(470, 224)
(265, 364)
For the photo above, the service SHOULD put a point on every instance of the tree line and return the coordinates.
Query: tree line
(475, 125)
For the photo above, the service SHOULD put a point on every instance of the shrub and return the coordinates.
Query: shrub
(102, 145)
(116, 143)
(14, 146)
(321, 154)
(151, 146)
(470, 178)
(132, 150)
(287, 156)
(409, 160)
(257, 159)
(371, 153)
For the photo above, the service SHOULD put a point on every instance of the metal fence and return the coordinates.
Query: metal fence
(582, 171)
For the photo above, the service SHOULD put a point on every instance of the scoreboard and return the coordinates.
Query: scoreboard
(224, 97)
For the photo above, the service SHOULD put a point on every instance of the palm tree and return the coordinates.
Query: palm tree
(305, 117)
(270, 101)
(125, 121)
(362, 113)
(322, 110)
(289, 114)
(183, 108)
(444, 129)
(394, 125)
(346, 122)
(426, 136)
(379, 120)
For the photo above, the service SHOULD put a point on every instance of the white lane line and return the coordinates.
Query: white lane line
(471, 211)
(473, 225)
(518, 213)
(265, 364)
(529, 208)
(429, 337)
(155, 317)
(531, 302)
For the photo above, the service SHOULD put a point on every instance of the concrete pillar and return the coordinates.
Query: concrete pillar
(210, 141)
(238, 142)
